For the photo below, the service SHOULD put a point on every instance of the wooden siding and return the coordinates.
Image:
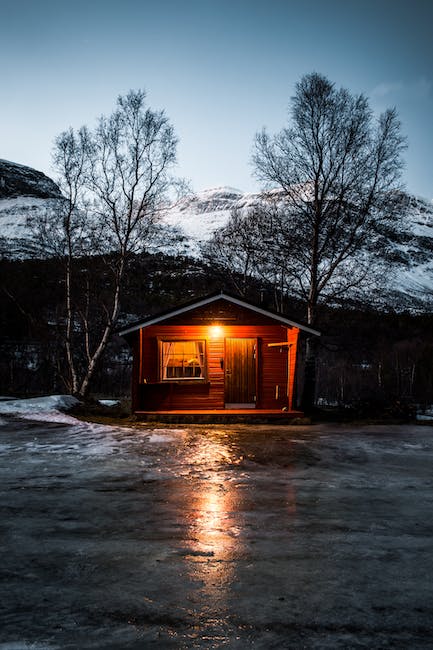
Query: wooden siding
(272, 366)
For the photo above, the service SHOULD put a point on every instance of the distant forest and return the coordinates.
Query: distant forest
(369, 361)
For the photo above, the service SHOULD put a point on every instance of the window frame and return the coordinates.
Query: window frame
(183, 380)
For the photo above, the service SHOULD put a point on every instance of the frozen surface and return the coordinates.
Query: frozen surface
(214, 537)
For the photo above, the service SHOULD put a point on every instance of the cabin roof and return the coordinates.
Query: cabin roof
(207, 300)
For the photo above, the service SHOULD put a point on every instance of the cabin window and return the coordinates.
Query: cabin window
(183, 360)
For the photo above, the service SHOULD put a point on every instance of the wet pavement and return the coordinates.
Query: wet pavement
(212, 537)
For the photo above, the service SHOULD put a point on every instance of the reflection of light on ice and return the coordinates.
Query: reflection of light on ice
(213, 518)
(216, 536)
(215, 522)
(218, 518)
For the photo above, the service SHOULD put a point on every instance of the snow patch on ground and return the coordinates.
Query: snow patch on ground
(49, 404)
(108, 402)
(425, 413)
(427, 416)
(84, 438)
(54, 417)
(24, 645)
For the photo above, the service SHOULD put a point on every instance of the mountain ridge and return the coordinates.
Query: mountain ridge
(20, 180)
(200, 214)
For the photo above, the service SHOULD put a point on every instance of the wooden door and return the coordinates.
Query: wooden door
(240, 373)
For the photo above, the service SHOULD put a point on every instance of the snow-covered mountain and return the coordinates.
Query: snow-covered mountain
(412, 283)
(415, 247)
(26, 193)
(199, 215)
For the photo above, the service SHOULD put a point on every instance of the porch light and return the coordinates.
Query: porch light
(215, 331)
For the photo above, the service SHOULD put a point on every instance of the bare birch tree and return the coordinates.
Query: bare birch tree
(114, 180)
(338, 169)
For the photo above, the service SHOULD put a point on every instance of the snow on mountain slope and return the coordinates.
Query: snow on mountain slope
(416, 249)
(201, 214)
(15, 215)
(198, 216)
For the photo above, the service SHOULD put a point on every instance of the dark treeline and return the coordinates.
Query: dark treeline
(368, 360)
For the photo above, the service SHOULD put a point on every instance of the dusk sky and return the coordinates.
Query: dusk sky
(220, 69)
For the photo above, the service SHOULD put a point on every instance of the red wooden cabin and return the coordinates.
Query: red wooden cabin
(217, 355)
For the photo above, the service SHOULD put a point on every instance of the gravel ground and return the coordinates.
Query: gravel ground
(212, 537)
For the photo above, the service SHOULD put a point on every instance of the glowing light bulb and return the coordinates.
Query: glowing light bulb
(215, 331)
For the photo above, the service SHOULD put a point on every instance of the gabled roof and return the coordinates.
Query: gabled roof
(207, 300)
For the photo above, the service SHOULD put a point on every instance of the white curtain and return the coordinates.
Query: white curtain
(199, 350)
(167, 349)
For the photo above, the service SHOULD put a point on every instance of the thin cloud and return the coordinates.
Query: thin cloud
(387, 88)
(420, 88)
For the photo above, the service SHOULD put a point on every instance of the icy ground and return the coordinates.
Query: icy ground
(213, 537)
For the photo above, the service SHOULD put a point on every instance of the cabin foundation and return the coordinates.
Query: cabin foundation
(224, 416)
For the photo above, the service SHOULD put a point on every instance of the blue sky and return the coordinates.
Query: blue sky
(220, 69)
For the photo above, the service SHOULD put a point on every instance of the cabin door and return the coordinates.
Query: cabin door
(240, 373)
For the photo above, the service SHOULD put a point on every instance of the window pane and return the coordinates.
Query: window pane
(183, 360)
